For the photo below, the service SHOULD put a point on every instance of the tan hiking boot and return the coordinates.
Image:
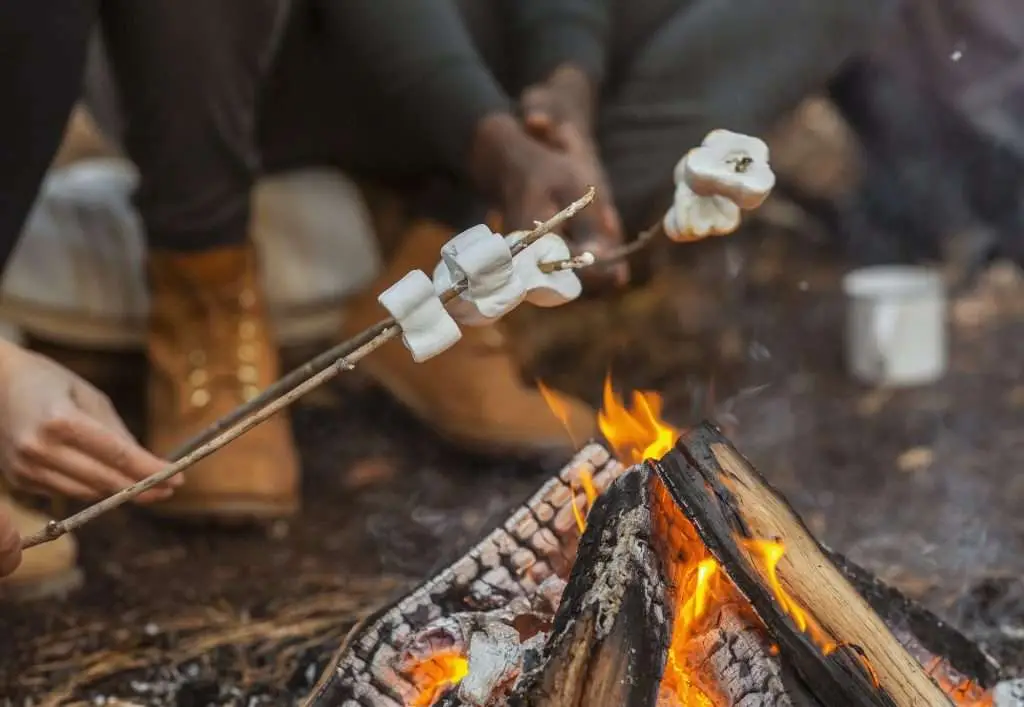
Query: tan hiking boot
(46, 570)
(472, 393)
(210, 350)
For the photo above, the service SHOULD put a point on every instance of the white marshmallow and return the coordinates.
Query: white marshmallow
(484, 260)
(731, 165)
(545, 289)
(427, 327)
(464, 311)
(692, 217)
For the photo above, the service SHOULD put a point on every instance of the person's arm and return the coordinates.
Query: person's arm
(553, 34)
(422, 57)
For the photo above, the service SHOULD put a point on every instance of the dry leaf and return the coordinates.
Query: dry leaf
(915, 459)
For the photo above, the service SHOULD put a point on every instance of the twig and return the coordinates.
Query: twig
(278, 396)
(587, 260)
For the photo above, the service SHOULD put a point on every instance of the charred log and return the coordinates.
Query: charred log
(928, 638)
(854, 661)
(610, 637)
(534, 615)
(535, 543)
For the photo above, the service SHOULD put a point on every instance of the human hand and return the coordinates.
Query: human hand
(10, 544)
(534, 180)
(565, 100)
(560, 113)
(59, 434)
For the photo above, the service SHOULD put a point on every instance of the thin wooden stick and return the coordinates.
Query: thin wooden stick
(581, 261)
(279, 395)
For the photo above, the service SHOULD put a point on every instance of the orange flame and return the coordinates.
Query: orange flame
(590, 494)
(962, 691)
(435, 675)
(770, 552)
(635, 433)
(560, 409)
(558, 406)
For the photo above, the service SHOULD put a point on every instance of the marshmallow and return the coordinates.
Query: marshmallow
(730, 165)
(693, 217)
(427, 327)
(483, 259)
(545, 289)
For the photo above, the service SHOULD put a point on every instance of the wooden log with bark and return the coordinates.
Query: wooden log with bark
(535, 543)
(667, 602)
(610, 637)
(840, 647)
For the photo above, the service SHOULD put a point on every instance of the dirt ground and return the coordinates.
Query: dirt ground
(922, 486)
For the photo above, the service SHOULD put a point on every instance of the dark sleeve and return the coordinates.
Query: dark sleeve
(556, 32)
(422, 56)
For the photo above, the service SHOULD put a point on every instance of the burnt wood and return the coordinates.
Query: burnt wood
(728, 501)
(535, 542)
(610, 636)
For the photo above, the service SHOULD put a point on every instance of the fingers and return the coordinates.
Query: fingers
(10, 544)
(92, 453)
(41, 480)
(99, 406)
(540, 125)
(83, 477)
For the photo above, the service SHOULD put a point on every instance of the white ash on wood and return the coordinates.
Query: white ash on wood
(537, 542)
(664, 605)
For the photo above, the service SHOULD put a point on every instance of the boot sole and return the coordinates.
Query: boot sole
(226, 513)
(53, 587)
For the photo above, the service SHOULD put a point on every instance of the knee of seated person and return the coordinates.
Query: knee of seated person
(318, 220)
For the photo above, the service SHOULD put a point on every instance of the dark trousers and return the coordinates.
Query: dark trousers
(677, 69)
(188, 73)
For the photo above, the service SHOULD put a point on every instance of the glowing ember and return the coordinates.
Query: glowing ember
(432, 677)
(965, 693)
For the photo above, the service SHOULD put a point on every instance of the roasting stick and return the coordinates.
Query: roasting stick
(280, 395)
(732, 173)
(587, 260)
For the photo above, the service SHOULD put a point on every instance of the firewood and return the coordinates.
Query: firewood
(849, 658)
(611, 634)
(935, 644)
(536, 542)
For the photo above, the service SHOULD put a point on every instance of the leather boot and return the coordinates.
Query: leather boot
(46, 570)
(471, 394)
(210, 350)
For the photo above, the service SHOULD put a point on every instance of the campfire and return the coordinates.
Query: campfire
(665, 572)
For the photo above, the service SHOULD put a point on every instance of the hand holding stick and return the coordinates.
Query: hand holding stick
(727, 174)
(278, 396)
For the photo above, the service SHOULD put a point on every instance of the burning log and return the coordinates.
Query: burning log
(842, 650)
(610, 637)
(671, 598)
(536, 543)
(629, 632)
